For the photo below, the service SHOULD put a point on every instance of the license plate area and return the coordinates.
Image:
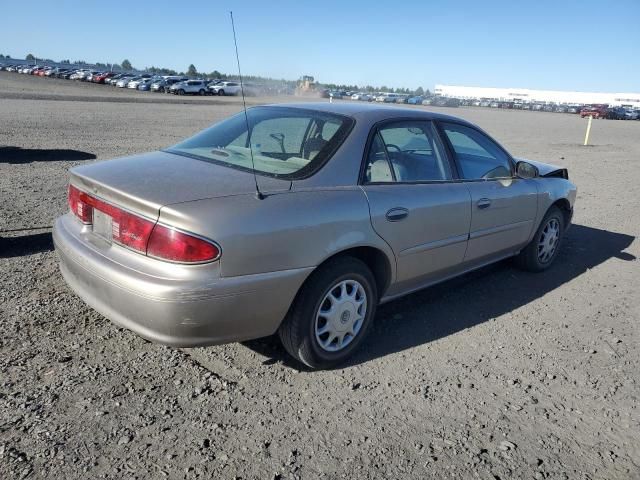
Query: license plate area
(103, 225)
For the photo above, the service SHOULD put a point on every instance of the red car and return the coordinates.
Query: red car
(595, 111)
(101, 78)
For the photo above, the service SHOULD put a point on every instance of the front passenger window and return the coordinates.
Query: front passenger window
(478, 156)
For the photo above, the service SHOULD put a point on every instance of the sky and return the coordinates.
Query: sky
(557, 45)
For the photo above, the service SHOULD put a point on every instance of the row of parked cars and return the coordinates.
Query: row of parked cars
(596, 110)
(175, 84)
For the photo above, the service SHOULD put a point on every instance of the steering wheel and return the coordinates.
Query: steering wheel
(393, 146)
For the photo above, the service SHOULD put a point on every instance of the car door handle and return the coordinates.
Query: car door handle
(483, 203)
(396, 214)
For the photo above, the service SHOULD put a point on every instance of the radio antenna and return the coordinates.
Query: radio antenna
(259, 194)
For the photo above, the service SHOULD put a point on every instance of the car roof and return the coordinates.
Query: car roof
(367, 110)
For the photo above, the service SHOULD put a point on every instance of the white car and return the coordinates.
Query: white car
(123, 82)
(225, 88)
(80, 75)
(135, 82)
(387, 97)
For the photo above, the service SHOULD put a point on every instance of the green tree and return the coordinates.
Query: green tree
(126, 65)
(215, 74)
(419, 91)
(192, 71)
(30, 57)
(1, 56)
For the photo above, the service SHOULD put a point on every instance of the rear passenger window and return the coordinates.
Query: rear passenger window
(478, 156)
(407, 151)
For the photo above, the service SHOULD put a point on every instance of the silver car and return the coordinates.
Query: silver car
(195, 87)
(302, 226)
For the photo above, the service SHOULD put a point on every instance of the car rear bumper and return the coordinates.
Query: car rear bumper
(177, 311)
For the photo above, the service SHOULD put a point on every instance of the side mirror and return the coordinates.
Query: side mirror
(526, 170)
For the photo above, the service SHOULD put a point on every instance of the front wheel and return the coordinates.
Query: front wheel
(543, 248)
(331, 314)
(221, 92)
(201, 92)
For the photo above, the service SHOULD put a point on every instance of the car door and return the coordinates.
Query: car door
(503, 206)
(415, 205)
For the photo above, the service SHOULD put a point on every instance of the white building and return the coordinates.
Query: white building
(546, 96)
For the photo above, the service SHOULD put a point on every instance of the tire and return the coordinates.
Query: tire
(221, 93)
(539, 254)
(181, 92)
(301, 331)
(201, 92)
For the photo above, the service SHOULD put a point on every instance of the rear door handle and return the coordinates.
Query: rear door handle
(483, 203)
(396, 214)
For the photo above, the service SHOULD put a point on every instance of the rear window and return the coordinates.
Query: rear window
(284, 142)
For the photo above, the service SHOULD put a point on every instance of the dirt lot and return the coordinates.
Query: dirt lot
(498, 374)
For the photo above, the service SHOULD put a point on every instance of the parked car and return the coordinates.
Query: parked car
(445, 102)
(622, 113)
(595, 111)
(123, 82)
(135, 82)
(103, 77)
(145, 85)
(387, 97)
(192, 87)
(194, 255)
(162, 84)
(574, 108)
(417, 100)
(225, 88)
(124, 78)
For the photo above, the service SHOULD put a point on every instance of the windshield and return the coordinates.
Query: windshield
(284, 142)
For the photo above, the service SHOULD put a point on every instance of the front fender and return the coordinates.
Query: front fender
(550, 191)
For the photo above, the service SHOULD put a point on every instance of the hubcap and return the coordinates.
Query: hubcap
(548, 240)
(341, 315)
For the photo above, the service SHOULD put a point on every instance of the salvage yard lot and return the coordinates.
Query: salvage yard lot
(497, 374)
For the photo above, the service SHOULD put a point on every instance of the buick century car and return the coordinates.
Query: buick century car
(300, 219)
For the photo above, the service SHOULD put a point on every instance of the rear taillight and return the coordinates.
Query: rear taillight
(143, 235)
(176, 246)
(79, 206)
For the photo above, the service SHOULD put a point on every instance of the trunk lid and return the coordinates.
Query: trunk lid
(145, 183)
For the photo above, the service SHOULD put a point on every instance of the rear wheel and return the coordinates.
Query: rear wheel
(543, 248)
(202, 92)
(331, 314)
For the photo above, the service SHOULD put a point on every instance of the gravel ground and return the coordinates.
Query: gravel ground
(498, 374)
